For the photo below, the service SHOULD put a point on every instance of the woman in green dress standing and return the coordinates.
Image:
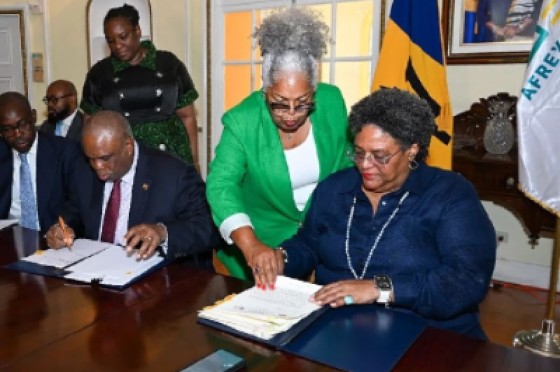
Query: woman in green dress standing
(151, 88)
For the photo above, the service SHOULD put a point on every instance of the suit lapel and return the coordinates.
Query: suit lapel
(273, 165)
(48, 127)
(325, 147)
(6, 178)
(44, 179)
(140, 189)
(75, 127)
(96, 206)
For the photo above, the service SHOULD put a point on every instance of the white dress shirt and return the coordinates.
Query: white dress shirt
(127, 182)
(15, 208)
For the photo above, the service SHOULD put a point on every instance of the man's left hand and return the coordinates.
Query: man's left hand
(147, 237)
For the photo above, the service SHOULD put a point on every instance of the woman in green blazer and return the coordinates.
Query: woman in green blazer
(276, 145)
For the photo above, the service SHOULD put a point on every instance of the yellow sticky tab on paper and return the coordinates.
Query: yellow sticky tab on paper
(219, 302)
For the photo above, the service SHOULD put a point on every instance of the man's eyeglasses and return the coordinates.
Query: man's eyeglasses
(54, 100)
(282, 108)
(358, 157)
(9, 131)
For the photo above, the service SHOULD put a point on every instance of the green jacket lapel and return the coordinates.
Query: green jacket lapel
(274, 167)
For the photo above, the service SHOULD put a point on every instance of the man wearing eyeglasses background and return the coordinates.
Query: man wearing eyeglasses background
(64, 119)
(35, 167)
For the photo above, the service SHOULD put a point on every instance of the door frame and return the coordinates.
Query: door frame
(23, 12)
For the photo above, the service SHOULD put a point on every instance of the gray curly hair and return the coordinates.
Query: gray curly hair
(404, 116)
(292, 40)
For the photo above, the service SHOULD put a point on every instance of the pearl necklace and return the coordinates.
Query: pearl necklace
(349, 225)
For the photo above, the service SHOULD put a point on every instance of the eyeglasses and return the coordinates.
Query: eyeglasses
(282, 108)
(54, 100)
(9, 131)
(358, 157)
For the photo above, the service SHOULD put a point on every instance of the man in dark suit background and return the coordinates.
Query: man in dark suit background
(64, 119)
(160, 200)
(35, 168)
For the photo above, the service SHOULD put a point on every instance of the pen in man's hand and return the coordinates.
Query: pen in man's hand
(65, 236)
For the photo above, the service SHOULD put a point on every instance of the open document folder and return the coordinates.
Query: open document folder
(351, 338)
(89, 261)
(273, 316)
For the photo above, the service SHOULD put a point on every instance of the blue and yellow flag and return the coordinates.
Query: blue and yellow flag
(411, 58)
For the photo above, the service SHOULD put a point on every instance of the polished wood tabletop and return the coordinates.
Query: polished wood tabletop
(53, 324)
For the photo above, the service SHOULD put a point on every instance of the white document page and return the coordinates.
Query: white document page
(63, 257)
(289, 300)
(266, 313)
(112, 266)
(6, 223)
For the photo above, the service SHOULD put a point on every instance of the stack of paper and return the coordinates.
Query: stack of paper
(94, 261)
(112, 266)
(64, 257)
(265, 313)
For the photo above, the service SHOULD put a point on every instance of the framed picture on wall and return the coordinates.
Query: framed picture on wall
(489, 31)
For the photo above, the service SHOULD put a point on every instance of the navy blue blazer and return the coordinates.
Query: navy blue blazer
(75, 130)
(165, 190)
(55, 163)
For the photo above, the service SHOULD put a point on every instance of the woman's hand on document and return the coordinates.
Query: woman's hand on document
(267, 265)
(346, 292)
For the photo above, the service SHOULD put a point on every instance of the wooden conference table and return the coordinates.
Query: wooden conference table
(51, 324)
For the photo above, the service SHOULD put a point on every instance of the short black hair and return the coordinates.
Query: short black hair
(126, 11)
(404, 116)
(11, 98)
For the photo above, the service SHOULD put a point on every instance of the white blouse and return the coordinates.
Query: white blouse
(303, 165)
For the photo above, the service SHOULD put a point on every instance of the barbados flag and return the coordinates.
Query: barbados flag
(411, 58)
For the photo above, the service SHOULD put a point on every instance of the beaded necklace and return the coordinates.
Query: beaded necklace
(349, 225)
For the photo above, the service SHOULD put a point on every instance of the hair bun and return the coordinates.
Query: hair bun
(295, 29)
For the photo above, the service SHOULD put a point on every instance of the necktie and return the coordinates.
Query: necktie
(58, 129)
(111, 214)
(27, 196)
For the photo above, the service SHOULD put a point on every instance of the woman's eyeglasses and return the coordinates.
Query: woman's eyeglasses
(282, 108)
(54, 100)
(359, 157)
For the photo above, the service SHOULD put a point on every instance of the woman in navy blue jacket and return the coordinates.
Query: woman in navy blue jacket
(392, 229)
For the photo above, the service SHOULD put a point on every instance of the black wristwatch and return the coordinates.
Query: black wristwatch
(385, 286)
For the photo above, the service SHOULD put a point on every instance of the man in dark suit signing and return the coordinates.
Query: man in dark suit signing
(35, 168)
(64, 119)
(135, 196)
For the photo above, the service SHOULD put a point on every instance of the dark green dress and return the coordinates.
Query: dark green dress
(147, 94)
